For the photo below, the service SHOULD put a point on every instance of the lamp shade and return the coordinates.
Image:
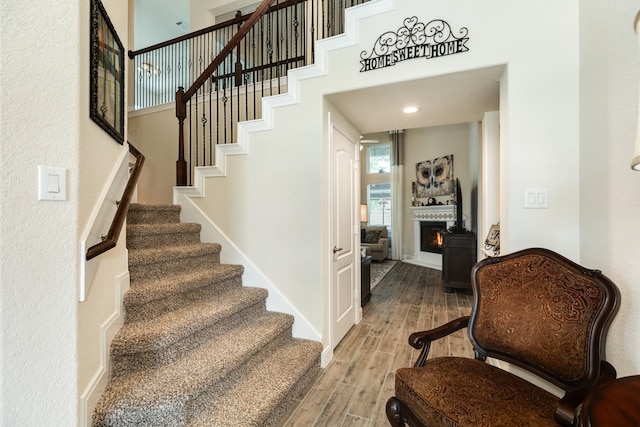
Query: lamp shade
(363, 213)
(635, 161)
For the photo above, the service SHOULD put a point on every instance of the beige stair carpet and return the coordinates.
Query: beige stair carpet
(197, 348)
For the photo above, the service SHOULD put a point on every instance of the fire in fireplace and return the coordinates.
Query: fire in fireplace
(431, 236)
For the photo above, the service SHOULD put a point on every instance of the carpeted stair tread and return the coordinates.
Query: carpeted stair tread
(139, 257)
(270, 385)
(143, 292)
(140, 236)
(157, 396)
(161, 213)
(160, 332)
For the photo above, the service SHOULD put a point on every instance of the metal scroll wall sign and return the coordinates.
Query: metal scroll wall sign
(414, 40)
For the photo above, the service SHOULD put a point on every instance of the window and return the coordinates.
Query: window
(379, 158)
(379, 204)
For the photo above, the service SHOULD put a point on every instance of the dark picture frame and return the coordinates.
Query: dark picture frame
(106, 88)
(492, 242)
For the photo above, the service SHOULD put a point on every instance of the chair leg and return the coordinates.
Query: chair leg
(393, 412)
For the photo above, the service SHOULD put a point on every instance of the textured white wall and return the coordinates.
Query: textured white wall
(280, 212)
(609, 189)
(40, 121)
(44, 120)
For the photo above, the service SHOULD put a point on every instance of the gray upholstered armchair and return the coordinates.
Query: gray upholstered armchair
(533, 309)
(376, 239)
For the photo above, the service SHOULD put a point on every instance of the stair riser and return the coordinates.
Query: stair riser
(153, 215)
(146, 292)
(130, 363)
(237, 374)
(162, 240)
(289, 402)
(142, 417)
(292, 378)
(165, 267)
(152, 309)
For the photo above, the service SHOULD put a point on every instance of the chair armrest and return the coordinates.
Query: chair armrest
(568, 407)
(422, 340)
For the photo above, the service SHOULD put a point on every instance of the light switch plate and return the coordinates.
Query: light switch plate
(52, 183)
(536, 198)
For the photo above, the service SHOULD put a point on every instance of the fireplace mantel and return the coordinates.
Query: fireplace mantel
(443, 213)
(434, 213)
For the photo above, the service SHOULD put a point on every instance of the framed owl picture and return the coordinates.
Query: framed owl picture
(435, 177)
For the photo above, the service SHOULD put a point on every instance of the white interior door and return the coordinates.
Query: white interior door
(345, 256)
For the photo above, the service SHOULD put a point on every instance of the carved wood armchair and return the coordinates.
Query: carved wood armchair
(533, 309)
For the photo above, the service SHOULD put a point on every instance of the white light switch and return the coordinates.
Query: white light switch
(536, 198)
(52, 183)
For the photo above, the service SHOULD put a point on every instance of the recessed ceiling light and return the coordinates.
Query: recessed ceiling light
(410, 110)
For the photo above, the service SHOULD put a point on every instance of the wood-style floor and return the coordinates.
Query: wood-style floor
(353, 390)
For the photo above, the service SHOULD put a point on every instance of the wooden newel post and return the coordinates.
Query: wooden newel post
(181, 163)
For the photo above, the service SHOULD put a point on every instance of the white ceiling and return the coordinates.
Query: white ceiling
(452, 98)
(155, 21)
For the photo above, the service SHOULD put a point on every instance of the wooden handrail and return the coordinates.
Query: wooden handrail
(183, 97)
(235, 40)
(238, 19)
(111, 239)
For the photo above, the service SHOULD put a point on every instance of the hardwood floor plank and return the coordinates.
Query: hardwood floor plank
(354, 388)
(366, 398)
(354, 421)
(379, 418)
(335, 410)
(317, 397)
(360, 360)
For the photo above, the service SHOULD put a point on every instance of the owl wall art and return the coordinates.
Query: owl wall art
(435, 177)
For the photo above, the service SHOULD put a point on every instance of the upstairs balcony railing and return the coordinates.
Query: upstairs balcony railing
(228, 68)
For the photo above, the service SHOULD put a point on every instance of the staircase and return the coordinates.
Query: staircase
(197, 347)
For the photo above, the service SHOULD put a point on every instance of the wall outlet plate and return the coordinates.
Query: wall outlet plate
(536, 198)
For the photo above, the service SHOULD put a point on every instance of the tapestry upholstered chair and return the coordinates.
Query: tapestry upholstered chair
(533, 309)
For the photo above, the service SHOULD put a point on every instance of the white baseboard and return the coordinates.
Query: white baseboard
(108, 330)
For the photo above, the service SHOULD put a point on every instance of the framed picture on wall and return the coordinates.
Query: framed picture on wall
(492, 242)
(434, 177)
(106, 103)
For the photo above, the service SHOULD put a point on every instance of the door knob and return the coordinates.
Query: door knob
(336, 249)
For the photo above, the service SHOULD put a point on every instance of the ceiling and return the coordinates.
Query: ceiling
(155, 21)
(452, 98)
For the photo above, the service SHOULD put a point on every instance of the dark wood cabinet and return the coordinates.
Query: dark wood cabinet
(365, 280)
(458, 257)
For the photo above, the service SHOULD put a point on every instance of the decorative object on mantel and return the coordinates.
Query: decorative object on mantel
(459, 225)
(492, 242)
(434, 177)
(106, 91)
(635, 161)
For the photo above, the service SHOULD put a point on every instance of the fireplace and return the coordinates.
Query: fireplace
(437, 218)
(431, 236)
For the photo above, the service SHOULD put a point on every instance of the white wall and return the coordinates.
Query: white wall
(44, 120)
(154, 131)
(609, 189)
(429, 143)
(271, 201)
